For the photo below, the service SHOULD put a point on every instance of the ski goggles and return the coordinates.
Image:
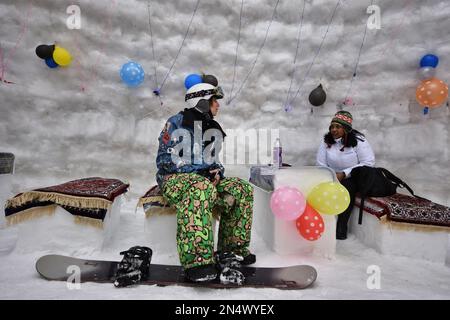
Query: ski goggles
(216, 92)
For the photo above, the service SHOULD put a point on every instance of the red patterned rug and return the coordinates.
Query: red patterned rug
(405, 208)
(153, 198)
(88, 197)
(90, 187)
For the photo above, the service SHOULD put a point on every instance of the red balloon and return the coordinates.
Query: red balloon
(310, 224)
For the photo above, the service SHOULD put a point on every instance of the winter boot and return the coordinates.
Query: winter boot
(134, 267)
(249, 259)
(202, 273)
(229, 265)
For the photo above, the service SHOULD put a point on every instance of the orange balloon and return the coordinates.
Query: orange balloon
(432, 92)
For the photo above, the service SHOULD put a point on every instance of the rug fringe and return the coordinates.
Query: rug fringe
(32, 213)
(39, 212)
(145, 200)
(57, 198)
(89, 222)
(409, 226)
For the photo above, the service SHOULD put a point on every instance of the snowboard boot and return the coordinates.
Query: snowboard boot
(229, 265)
(249, 259)
(202, 273)
(134, 267)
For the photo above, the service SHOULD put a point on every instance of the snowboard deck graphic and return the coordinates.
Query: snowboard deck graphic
(60, 268)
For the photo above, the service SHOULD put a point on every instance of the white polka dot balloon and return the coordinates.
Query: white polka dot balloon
(329, 198)
(132, 74)
(310, 224)
(432, 92)
(287, 203)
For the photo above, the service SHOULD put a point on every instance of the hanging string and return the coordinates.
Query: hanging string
(357, 61)
(155, 66)
(237, 47)
(155, 62)
(257, 56)
(158, 88)
(296, 53)
(181, 47)
(2, 65)
(317, 53)
(5, 58)
(91, 74)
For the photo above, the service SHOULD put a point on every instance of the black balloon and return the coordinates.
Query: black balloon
(318, 96)
(209, 78)
(44, 51)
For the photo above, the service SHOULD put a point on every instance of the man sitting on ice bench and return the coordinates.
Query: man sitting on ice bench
(192, 181)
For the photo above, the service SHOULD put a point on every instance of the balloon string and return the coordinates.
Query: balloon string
(24, 28)
(357, 61)
(237, 47)
(155, 66)
(181, 47)
(91, 74)
(2, 62)
(257, 55)
(296, 53)
(2, 65)
(317, 53)
(78, 64)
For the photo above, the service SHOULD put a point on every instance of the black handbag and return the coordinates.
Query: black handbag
(376, 182)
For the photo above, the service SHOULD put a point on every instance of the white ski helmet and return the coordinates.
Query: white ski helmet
(198, 95)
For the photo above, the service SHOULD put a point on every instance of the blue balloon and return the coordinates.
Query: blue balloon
(51, 63)
(132, 74)
(192, 79)
(429, 60)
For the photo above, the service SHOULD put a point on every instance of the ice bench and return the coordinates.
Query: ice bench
(402, 225)
(161, 221)
(75, 217)
(282, 236)
(6, 177)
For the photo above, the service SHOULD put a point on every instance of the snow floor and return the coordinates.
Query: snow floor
(344, 277)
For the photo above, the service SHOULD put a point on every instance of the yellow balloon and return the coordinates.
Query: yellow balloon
(61, 56)
(329, 198)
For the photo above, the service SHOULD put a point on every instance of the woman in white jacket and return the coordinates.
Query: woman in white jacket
(342, 149)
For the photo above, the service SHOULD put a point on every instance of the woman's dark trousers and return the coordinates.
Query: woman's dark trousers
(342, 221)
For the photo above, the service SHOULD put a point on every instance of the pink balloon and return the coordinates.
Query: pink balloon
(287, 203)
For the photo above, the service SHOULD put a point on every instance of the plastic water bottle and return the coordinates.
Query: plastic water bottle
(277, 154)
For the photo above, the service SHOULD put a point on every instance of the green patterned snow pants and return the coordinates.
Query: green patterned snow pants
(194, 197)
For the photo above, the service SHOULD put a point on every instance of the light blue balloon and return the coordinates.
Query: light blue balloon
(132, 74)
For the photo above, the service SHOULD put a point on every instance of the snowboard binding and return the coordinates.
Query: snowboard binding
(134, 267)
(229, 265)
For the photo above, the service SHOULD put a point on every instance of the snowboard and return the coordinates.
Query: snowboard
(64, 268)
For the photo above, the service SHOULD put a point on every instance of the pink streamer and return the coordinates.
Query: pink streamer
(24, 28)
(92, 74)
